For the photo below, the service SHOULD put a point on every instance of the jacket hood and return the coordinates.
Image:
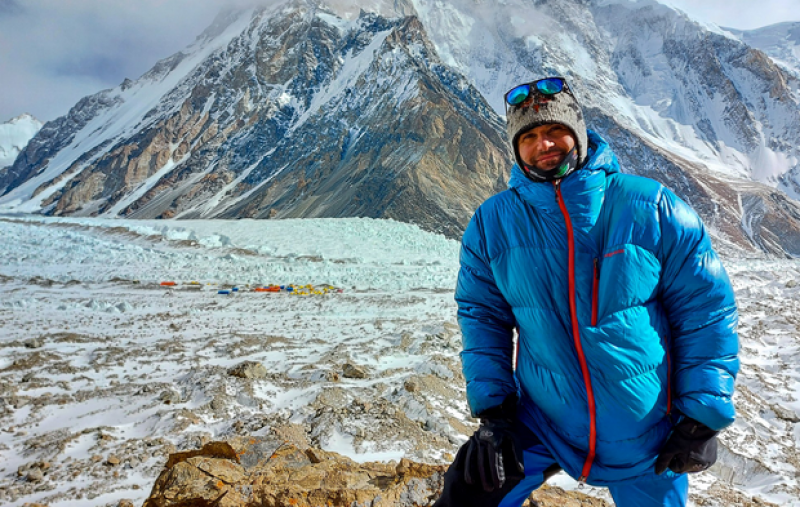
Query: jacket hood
(600, 157)
(583, 190)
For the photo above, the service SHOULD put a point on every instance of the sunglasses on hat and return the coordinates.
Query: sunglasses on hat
(547, 86)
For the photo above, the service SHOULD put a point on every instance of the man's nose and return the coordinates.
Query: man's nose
(545, 143)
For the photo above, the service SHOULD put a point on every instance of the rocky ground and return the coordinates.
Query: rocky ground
(175, 368)
(102, 380)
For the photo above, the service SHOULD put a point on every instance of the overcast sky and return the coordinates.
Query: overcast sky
(53, 52)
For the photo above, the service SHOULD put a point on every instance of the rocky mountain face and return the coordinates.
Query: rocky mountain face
(319, 109)
(14, 136)
(300, 114)
(702, 112)
(780, 41)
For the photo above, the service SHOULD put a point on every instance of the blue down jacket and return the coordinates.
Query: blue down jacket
(624, 314)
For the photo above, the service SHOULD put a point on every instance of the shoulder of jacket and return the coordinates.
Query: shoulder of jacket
(497, 203)
(629, 187)
(488, 219)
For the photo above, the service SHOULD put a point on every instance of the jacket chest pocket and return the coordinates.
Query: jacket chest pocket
(622, 278)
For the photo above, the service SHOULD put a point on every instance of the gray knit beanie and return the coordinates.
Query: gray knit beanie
(541, 109)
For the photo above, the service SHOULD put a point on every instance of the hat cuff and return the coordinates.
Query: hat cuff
(560, 108)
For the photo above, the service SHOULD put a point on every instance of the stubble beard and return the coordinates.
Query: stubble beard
(549, 165)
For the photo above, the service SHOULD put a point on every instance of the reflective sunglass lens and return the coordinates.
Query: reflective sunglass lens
(550, 86)
(518, 95)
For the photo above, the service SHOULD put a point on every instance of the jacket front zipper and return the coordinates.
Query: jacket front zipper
(576, 335)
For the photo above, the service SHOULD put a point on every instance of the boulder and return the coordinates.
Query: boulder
(268, 471)
(353, 371)
(248, 369)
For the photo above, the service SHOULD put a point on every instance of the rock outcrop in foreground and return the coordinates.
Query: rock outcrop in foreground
(267, 472)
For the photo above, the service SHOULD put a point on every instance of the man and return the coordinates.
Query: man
(626, 321)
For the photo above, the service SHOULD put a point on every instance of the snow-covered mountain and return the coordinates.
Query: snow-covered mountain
(277, 113)
(780, 41)
(14, 136)
(315, 108)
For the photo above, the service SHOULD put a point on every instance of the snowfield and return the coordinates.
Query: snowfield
(104, 372)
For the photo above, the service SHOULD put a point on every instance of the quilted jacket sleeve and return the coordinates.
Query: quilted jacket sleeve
(699, 301)
(487, 324)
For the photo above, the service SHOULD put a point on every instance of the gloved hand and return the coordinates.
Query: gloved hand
(492, 455)
(692, 447)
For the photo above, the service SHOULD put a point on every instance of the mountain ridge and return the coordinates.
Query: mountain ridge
(309, 109)
(780, 41)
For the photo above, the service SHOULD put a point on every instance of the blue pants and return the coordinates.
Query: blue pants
(649, 491)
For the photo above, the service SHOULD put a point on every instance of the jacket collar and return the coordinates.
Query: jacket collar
(583, 190)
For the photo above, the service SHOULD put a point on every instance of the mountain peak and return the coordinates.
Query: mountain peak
(14, 136)
(327, 108)
(23, 118)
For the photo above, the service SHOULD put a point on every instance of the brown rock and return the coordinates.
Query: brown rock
(315, 455)
(266, 471)
(224, 469)
(185, 483)
(556, 497)
(35, 475)
(403, 467)
(293, 434)
(248, 369)
(353, 371)
(211, 449)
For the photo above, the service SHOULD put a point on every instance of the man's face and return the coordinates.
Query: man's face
(545, 146)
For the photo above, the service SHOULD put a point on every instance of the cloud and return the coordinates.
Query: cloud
(741, 14)
(53, 52)
(9, 7)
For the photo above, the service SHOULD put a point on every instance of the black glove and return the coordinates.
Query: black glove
(692, 447)
(492, 455)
